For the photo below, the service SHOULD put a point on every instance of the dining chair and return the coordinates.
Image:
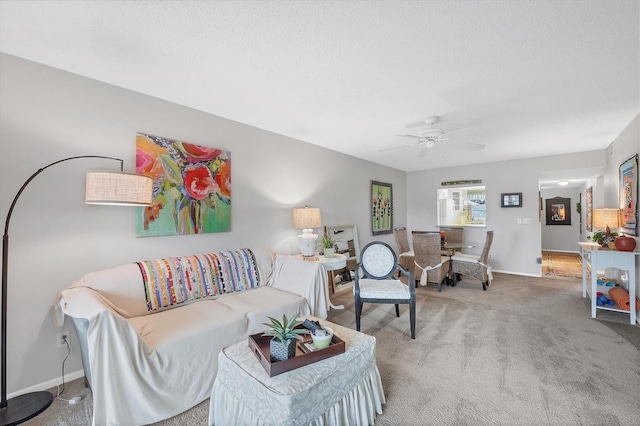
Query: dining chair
(475, 266)
(405, 254)
(452, 235)
(375, 282)
(429, 265)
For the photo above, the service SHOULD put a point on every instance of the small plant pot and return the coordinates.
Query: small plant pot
(279, 351)
(329, 252)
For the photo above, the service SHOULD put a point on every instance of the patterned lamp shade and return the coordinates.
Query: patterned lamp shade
(606, 217)
(119, 188)
(306, 218)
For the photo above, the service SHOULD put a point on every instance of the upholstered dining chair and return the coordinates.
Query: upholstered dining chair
(405, 254)
(375, 282)
(452, 235)
(475, 266)
(429, 265)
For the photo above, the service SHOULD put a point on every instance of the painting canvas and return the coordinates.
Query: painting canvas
(590, 209)
(191, 187)
(629, 195)
(381, 208)
(558, 211)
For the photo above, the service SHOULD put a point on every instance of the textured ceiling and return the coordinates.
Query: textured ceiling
(525, 78)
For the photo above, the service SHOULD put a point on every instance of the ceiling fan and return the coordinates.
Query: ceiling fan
(430, 136)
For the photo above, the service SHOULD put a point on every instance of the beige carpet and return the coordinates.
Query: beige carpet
(557, 264)
(525, 352)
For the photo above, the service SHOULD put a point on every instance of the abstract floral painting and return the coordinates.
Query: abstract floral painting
(191, 187)
(381, 208)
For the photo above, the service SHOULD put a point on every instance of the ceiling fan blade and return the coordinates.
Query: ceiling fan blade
(410, 136)
(468, 145)
(456, 131)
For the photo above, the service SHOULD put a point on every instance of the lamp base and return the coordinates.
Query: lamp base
(25, 407)
(307, 242)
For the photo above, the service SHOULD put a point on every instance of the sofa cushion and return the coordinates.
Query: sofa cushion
(230, 318)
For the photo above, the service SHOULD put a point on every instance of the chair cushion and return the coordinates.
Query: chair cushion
(383, 289)
(466, 257)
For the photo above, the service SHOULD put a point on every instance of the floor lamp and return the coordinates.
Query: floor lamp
(112, 188)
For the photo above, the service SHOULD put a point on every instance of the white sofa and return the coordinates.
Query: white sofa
(146, 365)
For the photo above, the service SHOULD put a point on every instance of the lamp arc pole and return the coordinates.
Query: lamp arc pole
(24, 407)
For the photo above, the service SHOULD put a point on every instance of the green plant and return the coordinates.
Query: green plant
(285, 330)
(327, 241)
(602, 237)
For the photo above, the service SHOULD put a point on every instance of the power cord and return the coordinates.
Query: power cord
(75, 399)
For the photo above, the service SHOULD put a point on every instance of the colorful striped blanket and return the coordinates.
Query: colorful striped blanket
(174, 280)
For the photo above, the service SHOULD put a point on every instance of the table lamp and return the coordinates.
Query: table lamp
(306, 219)
(604, 219)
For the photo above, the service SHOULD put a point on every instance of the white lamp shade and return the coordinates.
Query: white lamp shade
(119, 188)
(606, 217)
(306, 218)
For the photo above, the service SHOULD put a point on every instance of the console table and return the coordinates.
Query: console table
(599, 258)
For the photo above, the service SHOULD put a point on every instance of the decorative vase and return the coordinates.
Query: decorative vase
(330, 252)
(279, 351)
(625, 243)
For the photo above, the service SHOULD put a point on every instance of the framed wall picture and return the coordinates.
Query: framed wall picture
(589, 211)
(558, 211)
(191, 187)
(381, 208)
(511, 199)
(629, 196)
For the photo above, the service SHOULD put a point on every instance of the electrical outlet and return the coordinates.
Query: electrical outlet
(60, 339)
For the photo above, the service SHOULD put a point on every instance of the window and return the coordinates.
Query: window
(462, 206)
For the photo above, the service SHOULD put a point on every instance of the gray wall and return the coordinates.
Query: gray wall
(516, 247)
(47, 115)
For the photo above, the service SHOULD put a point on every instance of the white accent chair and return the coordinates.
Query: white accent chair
(375, 282)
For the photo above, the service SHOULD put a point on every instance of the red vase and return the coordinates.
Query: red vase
(625, 244)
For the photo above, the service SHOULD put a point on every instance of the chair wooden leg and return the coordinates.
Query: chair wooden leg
(358, 312)
(397, 310)
(484, 285)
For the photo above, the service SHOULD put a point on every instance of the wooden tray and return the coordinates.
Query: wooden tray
(259, 345)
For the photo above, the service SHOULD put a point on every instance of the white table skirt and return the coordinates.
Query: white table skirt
(340, 390)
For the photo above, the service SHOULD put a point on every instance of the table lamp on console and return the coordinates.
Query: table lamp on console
(306, 219)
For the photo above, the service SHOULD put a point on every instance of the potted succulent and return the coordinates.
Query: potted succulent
(329, 245)
(283, 344)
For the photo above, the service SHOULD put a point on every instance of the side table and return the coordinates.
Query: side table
(343, 388)
(329, 264)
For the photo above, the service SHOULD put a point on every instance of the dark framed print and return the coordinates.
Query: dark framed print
(629, 196)
(558, 211)
(381, 208)
(511, 199)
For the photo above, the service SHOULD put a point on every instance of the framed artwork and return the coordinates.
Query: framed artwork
(191, 187)
(511, 199)
(558, 211)
(589, 211)
(381, 208)
(629, 196)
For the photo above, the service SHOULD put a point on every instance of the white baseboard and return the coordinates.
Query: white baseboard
(48, 384)
(516, 273)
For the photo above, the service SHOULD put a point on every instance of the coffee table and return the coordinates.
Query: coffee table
(343, 389)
